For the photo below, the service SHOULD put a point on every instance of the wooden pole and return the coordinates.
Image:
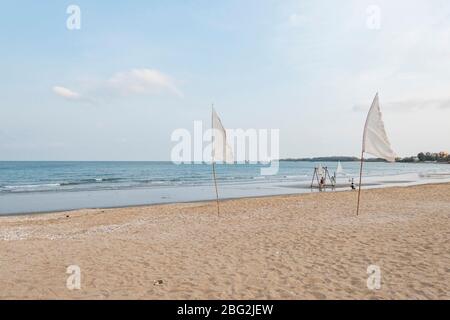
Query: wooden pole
(360, 178)
(318, 180)
(314, 175)
(329, 178)
(213, 162)
(215, 184)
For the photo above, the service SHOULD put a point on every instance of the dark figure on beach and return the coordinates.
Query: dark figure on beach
(353, 185)
(322, 183)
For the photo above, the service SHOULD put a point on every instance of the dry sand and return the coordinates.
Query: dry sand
(284, 247)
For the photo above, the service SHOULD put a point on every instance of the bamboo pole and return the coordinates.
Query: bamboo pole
(215, 184)
(314, 175)
(360, 179)
(214, 164)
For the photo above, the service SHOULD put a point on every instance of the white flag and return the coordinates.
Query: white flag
(221, 151)
(375, 140)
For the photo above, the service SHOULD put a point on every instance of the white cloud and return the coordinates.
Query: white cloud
(143, 81)
(127, 83)
(66, 93)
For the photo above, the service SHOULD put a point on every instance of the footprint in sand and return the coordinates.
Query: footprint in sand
(158, 282)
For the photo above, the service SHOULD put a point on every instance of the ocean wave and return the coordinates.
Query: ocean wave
(259, 178)
(235, 178)
(53, 185)
(296, 176)
(29, 187)
(87, 181)
(435, 175)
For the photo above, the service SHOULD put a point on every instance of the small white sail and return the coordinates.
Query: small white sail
(375, 140)
(339, 169)
(221, 151)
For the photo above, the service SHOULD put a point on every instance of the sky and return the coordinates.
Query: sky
(135, 71)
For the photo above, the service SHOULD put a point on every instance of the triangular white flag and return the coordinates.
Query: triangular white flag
(375, 140)
(221, 151)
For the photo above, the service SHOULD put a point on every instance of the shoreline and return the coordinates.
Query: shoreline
(46, 187)
(366, 186)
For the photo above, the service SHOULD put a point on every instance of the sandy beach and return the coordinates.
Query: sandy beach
(309, 246)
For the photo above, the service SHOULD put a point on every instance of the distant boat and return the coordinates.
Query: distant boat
(339, 169)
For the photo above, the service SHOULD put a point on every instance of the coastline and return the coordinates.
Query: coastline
(22, 203)
(304, 246)
(301, 189)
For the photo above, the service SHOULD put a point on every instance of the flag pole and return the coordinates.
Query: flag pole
(215, 183)
(360, 178)
(363, 147)
(213, 162)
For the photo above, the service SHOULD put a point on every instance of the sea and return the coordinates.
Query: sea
(46, 186)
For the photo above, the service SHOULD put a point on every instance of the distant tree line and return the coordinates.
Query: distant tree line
(428, 157)
(442, 157)
(323, 159)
